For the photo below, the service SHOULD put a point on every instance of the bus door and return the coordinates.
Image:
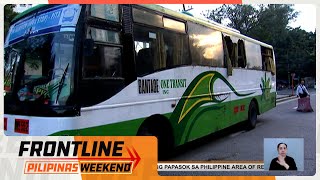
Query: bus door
(102, 73)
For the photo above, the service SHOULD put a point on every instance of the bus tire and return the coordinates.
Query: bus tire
(160, 128)
(252, 116)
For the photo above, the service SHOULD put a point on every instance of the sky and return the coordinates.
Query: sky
(306, 18)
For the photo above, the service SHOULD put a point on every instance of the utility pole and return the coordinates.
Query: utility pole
(288, 67)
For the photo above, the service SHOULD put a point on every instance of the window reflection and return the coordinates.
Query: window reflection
(253, 54)
(207, 47)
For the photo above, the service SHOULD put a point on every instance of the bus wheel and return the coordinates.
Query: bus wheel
(163, 133)
(252, 116)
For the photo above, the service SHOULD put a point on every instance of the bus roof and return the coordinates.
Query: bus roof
(207, 23)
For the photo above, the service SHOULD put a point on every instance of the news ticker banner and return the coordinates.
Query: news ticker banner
(99, 157)
(86, 157)
(211, 166)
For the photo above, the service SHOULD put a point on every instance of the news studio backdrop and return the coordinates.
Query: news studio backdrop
(72, 157)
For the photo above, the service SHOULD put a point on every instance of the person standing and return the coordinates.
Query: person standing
(302, 91)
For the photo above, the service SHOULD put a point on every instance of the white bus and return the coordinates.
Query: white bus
(131, 70)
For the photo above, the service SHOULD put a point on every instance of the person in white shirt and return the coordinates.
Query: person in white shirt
(302, 91)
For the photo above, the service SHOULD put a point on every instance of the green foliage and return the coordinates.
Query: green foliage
(9, 14)
(240, 17)
(294, 48)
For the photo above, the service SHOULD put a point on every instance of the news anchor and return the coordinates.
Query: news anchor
(283, 161)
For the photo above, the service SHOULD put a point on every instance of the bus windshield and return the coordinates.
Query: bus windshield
(40, 67)
(39, 57)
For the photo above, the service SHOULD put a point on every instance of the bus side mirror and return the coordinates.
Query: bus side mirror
(88, 47)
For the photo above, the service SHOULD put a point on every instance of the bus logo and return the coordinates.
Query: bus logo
(148, 86)
(68, 14)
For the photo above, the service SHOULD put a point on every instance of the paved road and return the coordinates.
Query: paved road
(237, 144)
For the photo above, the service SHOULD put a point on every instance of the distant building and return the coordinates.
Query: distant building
(22, 7)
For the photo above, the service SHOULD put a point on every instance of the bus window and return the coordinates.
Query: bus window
(253, 54)
(267, 60)
(141, 45)
(236, 51)
(105, 61)
(147, 50)
(232, 51)
(145, 17)
(174, 25)
(206, 45)
(242, 60)
(176, 51)
(107, 11)
(103, 35)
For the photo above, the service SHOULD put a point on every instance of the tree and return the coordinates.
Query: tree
(259, 22)
(273, 20)
(9, 14)
(302, 52)
(241, 17)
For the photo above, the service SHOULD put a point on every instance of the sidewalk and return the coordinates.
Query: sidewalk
(285, 94)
